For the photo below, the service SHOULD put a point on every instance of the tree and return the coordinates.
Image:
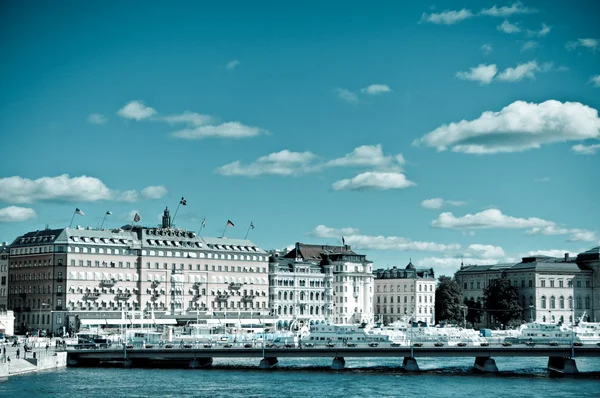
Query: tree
(474, 311)
(501, 300)
(448, 300)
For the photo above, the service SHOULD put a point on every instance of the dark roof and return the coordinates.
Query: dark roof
(410, 265)
(37, 237)
(404, 273)
(589, 255)
(313, 252)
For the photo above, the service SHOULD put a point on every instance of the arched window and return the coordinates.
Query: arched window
(285, 297)
(578, 303)
(587, 303)
(543, 303)
(311, 297)
(552, 302)
(279, 299)
(561, 302)
(301, 296)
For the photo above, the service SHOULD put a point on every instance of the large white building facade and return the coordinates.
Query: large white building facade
(3, 276)
(405, 293)
(550, 289)
(61, 278)
(321, 283)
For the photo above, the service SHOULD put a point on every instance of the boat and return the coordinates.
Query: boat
(586, 332)
(333, 335)
(542, 333)
(422, 333)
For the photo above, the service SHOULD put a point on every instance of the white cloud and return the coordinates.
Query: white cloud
(548, 253)
(136, 110)
(346, 95)
(61, 188)
(353, 237)
(447, 17)
(592, 44)
(595, 80)
(529, 45)
(486, 49)
(485, 251)
(508, 27)
(577, 235)
(521, 71)
(449, 265)
(438, 203)
(16, 214)
(231, 65)
(505, 11)
(283, 163)
(232, 130)
(154, 192)
(517, 127)
(369, 156)
(374, 180)
(189, 118)
(482, 73)
(376, 89)
(97, 118)
(544, 30)
(487, 219)
(586, 149)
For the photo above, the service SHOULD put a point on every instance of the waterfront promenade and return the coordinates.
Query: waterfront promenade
(36, 360)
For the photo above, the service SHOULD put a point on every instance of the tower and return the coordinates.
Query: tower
(166, 220)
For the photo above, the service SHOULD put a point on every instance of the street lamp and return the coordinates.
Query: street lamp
(531, 313)
(42, 305)
(464, 308)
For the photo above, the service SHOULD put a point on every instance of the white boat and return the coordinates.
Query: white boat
(444, 335)
(348, 335)
(543, 333)
(587, 332)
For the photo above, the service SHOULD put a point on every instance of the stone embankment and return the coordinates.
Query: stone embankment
(39, 359)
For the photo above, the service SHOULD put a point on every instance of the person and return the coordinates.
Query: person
(47, 345)
(18, 353)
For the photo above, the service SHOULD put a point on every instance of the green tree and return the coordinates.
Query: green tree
(474, 311)
(448, 300)
(501, 300)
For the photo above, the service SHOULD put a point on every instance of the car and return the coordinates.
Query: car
(373, 344)
(395, 345)
(418, 344)
(168, 345)
(271, 345)
(578, 344)
(530, 344)
(507, 344)
(351, 345)
(88, 345)
(248, 345)
(228, 345)
(187, 346)
(290, 345)
(330, 345)
(598, 344)
(461, 344)
(309, 345)
(554, 343)
(208, 345)
(484, 344)
(129, 346)
(438, 344)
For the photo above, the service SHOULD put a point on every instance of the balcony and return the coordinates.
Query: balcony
(247, 298)
(222, 297)
(123, 296)
(107, 282)
(235, 286)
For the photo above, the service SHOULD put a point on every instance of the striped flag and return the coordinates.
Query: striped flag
(251, 225)
(136, 218)
(80, 212)
(183, 201)
(230, 224)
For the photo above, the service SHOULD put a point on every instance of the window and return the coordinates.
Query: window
(552, 302)
(560, 283)
(561, 302)
(543, 302)
(543, 283)
(551, 282)
(530, 283)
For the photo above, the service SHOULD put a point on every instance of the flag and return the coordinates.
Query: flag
(343, 241)
(204, 223)
(183, 201)
(230, 224)
(108, 212)
(80, 212)
(136, 218)
(251, 225)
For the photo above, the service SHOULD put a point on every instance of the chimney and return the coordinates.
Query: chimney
(566, 257)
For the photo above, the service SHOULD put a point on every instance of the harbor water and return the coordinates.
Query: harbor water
(312, 377)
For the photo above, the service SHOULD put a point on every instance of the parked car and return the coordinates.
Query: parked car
(461, 344)
(373, 344)
(438, 344)
(309, 345)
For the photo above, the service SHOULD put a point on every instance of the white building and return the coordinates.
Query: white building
(405, 293)
(3, 276)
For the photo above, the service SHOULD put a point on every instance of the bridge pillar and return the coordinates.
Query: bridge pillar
(200, 363)
(268, 363)
(562, 365)
(410, 364)
(485, 364)
(338, 363)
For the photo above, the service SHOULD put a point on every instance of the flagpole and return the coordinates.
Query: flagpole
(248, 231)
(202, 225)
(72, 218)
(175, 215)
(104, 219)
(225, 229)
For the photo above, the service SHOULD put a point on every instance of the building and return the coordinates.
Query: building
(61, 278)
(7, 324)
(3, 276)
(407, 293)
(550, 289)
(333, 281)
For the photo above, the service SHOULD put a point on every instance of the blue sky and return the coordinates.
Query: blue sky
(431, 131)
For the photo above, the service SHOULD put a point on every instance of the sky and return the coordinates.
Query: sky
(433, 132)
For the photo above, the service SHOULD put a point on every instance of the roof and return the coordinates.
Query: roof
(590, 255)
(313, 252)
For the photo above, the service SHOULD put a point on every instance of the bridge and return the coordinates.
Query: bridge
(561, 358)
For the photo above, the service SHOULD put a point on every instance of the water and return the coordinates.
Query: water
(311, 377)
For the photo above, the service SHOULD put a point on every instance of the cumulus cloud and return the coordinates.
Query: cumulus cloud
(368, 156)
(589, 43)
(521, 71)
(189, 118)
(517, 127)
(507, 11)
(449, 265)
(136, 110)
(353, 237)
(595, 81)
(576, 234)
(491, 218)
(154, 192)
(447, 17)
(482, 73)
(97, 118)
(544, 30)
(16, 214)
(232, 130)
(486, 49)
(283, 163)
(346, 95)
(508, 27)
(529, 45)
(63, 189)
(374, 181)
(585, 149)
(438, 203)
(231, 65)
(376, 89)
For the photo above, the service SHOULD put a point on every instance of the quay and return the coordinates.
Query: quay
(28, 362)
(561, 359)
